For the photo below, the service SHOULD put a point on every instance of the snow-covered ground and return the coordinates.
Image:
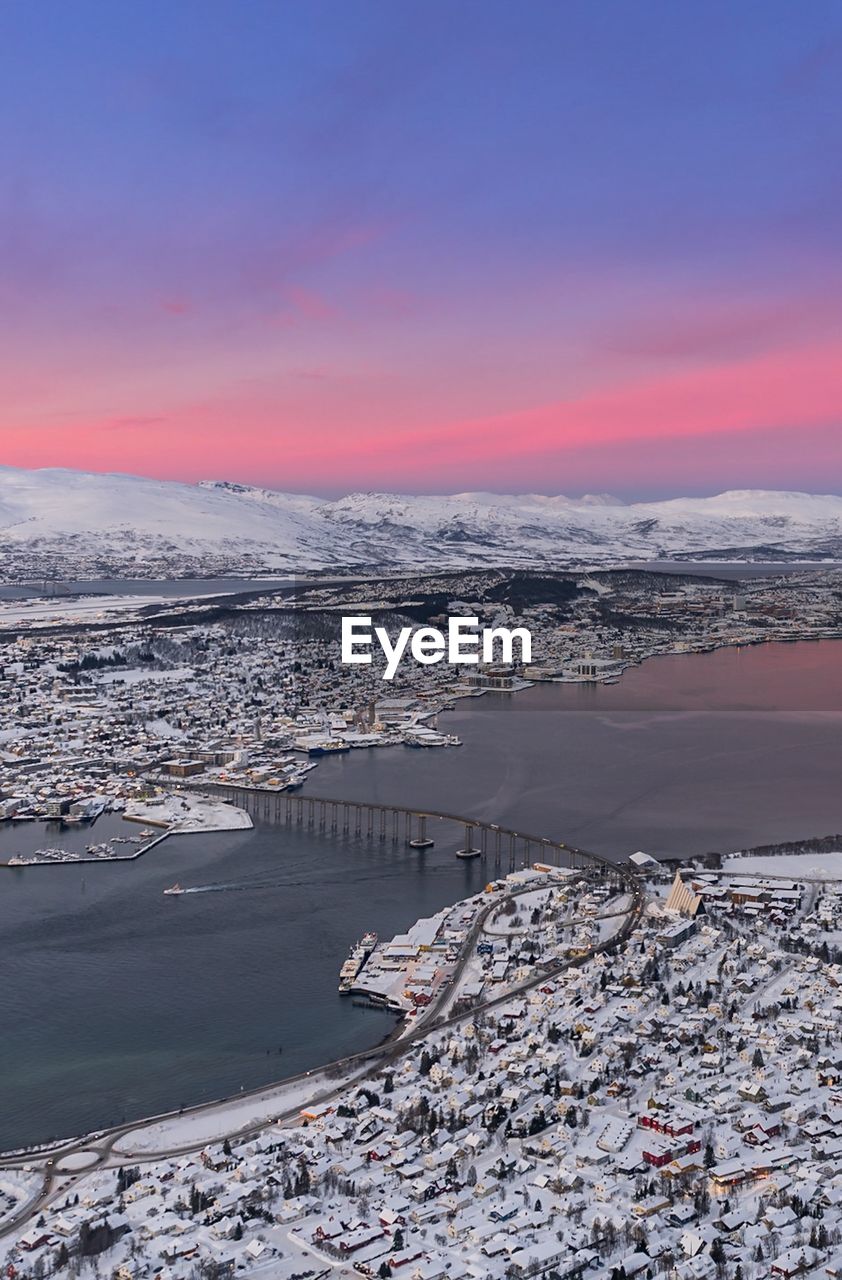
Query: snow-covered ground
(211, 1124)
(39, 612)
(189, 813)
(796, 866)
(16, 1187)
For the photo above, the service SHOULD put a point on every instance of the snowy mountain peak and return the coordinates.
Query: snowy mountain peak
(124, 522)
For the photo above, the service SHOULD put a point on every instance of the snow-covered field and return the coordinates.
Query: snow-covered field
(191, 813)
(80, 609)
(795, 866)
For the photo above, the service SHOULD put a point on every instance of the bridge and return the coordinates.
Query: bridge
(397, 824)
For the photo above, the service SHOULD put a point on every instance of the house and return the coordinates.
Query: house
(34, 1239)
(794, 1262)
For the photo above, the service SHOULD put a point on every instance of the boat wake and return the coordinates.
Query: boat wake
(232, 887)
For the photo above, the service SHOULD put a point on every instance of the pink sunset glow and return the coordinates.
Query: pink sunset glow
(359, 257)
(769, 415)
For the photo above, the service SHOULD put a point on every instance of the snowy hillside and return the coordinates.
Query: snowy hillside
(124, 523)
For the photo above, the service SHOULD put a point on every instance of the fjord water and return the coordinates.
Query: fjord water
(118, 1002)
(686, 754)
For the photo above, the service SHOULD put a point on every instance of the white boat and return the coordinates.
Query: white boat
(174, 890)
(357, 957)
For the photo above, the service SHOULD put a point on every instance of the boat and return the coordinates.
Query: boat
(421, 737)
(174, 890)
(357, 957)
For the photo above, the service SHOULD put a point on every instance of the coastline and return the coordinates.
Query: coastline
(283, 1079)
(338, 1074)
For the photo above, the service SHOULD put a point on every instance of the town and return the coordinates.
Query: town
(102, 706)
(660, 1099)
(598, 1069)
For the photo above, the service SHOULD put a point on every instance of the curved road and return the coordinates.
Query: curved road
(58, 1182)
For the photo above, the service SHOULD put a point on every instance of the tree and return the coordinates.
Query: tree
(717, 1253)
(710, 1158)
(397, 1240)
(757, 1059)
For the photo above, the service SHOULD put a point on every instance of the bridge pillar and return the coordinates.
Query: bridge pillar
(468, 850)
(422, 840)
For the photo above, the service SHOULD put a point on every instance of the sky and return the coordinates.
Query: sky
(336, 245)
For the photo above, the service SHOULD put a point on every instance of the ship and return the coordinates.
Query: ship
(421, 737)
(357, 957)
(328, 746)
(174, 890)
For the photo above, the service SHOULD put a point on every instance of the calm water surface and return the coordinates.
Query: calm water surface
(117, 1002)
(686, 754)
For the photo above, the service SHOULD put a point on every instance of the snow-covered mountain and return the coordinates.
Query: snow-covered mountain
(121, 523)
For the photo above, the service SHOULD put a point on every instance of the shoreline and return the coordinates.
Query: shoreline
(338, 1074)
(284, 1080)
(334, 1072)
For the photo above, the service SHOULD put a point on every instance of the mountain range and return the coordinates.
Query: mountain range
(127, 524)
